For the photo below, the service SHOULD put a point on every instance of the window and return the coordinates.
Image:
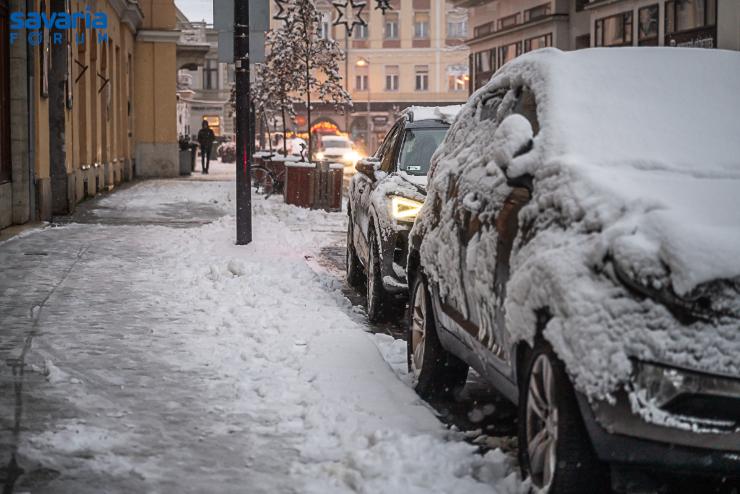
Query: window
(457, 29)
(391, 26)
(361, 83)
(422, 78)
(537, 12)
(421, 25)
(360, 31)
(483, 30)
(457, 83)
(509, 52)
(615, 30)
(647, 32)
(5, 166)
(418, 147)
(484, 61)
(325, 25)
(391, 77)
(684, 15)
(508, 21)
(538, 42)
(210, 74)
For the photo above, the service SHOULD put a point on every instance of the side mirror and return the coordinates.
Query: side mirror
(512, 138)
(368, 167)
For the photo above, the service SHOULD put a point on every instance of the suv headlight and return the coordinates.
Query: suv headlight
(404, 209)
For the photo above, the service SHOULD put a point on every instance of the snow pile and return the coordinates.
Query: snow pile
(633, 176)
(293, 393)
(442, 113)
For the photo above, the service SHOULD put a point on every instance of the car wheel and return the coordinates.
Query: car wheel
(554, 448)
(377, 299)
(354, 270)
(437, 374)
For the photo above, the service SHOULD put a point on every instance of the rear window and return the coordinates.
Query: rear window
(418, 147)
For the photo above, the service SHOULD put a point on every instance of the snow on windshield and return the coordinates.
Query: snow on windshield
(443, 113)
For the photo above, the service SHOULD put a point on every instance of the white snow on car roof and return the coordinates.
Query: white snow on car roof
(442, 113)
(655, 129)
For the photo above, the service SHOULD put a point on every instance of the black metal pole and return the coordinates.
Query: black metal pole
(244, 137)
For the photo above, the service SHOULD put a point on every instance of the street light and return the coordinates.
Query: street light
(363, 62)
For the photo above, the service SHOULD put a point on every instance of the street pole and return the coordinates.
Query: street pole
(369, 148)
(244, 137)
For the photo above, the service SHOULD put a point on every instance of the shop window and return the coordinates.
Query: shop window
(538, 42)
(5, 166)
(422, 78)
(457, 83)
(421, 25)
(685, 15)
(647, 29)
(615, 30)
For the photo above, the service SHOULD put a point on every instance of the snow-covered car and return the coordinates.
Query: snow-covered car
(337, 149)
(579, 248)
(384, 196)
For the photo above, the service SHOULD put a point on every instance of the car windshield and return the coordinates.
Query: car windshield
(336, 143)
(418, 147)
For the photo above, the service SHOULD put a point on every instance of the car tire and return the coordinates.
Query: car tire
(354, 269)
(555, 451)
(437, 374)
(377, 298)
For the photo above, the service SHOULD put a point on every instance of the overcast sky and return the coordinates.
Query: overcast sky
(196, 10)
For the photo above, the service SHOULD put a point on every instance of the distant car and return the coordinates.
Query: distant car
(384, 196)
(579, 248)
(337, 149)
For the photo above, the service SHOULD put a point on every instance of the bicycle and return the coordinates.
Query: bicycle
(267, 182)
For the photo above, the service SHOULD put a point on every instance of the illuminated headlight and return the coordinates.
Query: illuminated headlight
(352, 156)
(404, 209)
(319, 156)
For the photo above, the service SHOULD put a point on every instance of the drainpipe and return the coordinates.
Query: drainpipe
(33, 213)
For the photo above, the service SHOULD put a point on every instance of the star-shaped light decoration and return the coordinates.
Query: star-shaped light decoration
(281, 14)
(383, 5)
(357, 7)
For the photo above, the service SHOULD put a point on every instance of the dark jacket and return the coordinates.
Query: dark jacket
(206, 137)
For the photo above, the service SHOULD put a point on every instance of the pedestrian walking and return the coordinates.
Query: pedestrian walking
(205, 139)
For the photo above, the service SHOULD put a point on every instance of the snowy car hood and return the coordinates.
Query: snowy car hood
(662, 154)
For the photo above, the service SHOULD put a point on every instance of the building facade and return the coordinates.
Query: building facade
(203, 84)
(69, 101)
(504, 29)
(415, 54)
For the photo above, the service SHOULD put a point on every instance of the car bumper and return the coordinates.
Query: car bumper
(621, 437)
(395, 252)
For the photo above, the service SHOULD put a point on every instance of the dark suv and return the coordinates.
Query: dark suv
(585, 262)
(384, 197)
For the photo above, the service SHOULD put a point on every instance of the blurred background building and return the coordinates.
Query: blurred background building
(504, 29)
(203, 83)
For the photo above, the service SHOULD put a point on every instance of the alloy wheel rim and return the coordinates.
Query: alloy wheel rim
(542, 423)
(418, 330)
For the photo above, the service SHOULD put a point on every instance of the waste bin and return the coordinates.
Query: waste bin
(193, 154)
(185, 162)
(314, 185)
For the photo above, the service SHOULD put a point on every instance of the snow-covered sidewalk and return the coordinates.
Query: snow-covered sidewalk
(170, 360)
